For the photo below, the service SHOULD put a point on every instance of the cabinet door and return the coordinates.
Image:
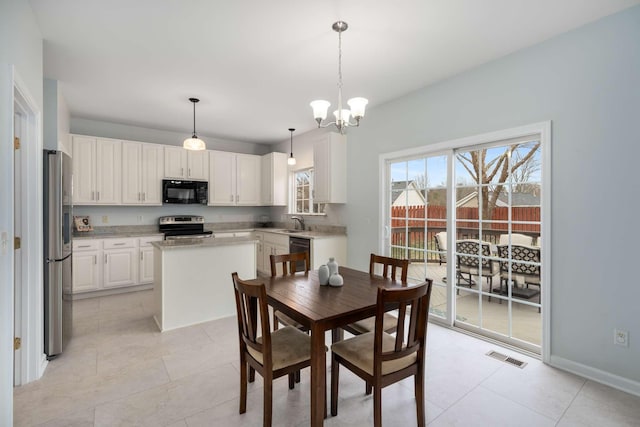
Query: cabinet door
(84, 159)
(175, 162)
(120, 267)
(198, 165)
(222, 180)
(152, 174)
(108, 171)
(248, 179)
(330, 169)
(131, 172)
(146, 265)
(86, 271)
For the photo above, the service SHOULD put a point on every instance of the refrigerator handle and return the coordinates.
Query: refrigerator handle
(50, 260)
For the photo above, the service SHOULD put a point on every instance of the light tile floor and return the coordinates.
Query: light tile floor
(120, 371)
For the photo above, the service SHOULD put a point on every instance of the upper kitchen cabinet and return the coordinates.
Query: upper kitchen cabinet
(142, 173)
(274, 179)
(330, 169)
(97, 171)
(234, 179)
(186, 164)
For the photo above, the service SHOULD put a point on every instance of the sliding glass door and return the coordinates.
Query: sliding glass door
(470, 219)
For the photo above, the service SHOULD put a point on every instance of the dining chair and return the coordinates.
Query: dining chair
(390, 268)
(441, 246)
(381, 359)
(271, 354)
(289, 264)
(516, 239)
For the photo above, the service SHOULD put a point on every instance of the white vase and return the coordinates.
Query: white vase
(333, 266)
(336, 280)
(323, 275)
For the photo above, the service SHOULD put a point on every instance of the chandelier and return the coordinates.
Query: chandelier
(291, 161)
(342, 115)
(194, 143)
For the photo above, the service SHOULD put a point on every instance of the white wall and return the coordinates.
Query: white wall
(136, 133)
(56, 118)
(21, 50)
(585, 81)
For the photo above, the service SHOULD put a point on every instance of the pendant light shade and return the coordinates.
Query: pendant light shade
(291, 160)
(194, 143)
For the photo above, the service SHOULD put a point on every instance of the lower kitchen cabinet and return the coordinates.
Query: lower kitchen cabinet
(114, 263)
(274, 244)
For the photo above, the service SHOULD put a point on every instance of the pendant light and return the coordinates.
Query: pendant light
(194, 143)
(291, 160)
(342, 115)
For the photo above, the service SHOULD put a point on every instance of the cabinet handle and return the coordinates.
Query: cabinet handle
(105, 258)
(181, 171)
(237, 198)
(189, 171)
(118, 244)
(232, 197)
(93, 195)
(97, 195)
(144, 196)
(141, 256)
(84, 246)
(95, 259)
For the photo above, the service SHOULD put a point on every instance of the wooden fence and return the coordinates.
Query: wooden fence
(414, 227)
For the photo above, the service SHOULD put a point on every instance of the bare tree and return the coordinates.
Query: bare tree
(496, 171)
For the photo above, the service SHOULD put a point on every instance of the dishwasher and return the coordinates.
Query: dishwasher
(299, 244)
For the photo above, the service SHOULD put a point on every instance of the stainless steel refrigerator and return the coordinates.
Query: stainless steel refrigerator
(58, 230)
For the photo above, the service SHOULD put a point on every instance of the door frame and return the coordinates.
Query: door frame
(541, 128)
(31, 312)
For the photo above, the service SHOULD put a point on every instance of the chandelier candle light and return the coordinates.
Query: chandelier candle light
(194, 143)
(291, 161)
(342, 115)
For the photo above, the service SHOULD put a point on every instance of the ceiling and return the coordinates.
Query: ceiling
(256, 65)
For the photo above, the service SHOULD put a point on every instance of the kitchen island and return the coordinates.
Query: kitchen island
(193, 278)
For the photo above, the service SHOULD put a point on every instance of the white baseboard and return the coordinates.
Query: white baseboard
(43, 365)
(111, 291)
(607, 378)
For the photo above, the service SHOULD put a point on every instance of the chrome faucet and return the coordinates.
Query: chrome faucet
(298, 219)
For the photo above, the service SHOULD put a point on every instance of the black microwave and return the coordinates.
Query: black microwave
(185, 192)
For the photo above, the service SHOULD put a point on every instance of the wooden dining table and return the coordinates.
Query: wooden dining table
(323, 308)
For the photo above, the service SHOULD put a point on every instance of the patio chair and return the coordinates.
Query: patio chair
(469, 262)
(529, 274)
(516, 239)
(441, 246)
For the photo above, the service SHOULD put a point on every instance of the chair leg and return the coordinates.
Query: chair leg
(368, 388)
(292, 380)
(335, 377)
(297, 376)
(252, 374)
(377, 406)
(243, 385)
(268, 400)
(419, 393)
(490, 280)
(275, 321)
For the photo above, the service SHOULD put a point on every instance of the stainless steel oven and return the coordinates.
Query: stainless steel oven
(182, 227)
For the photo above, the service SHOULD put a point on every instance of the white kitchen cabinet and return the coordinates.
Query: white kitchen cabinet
(274, 179)
(330, 169)
(142, 173)
(120, 262)
(146, 259)
(87, 265)
(259, 250)
(186, 164)
(274, 244)
(234, 179)
(97, 171)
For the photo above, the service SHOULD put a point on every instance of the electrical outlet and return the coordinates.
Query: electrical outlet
(105, 219)
(621, 337)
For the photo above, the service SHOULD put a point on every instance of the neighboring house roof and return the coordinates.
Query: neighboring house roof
(399, 189)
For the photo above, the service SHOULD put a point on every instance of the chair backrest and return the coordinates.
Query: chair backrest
(441, 245)
(408, 340)
(247, 296)
(290, 260)
(390, 265)
(516, 239)
(520, 253)
(468, 251)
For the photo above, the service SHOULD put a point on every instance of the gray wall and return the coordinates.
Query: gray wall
(587, 82)
(20, 46)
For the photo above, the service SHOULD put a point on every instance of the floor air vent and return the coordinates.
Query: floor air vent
(504, 358)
